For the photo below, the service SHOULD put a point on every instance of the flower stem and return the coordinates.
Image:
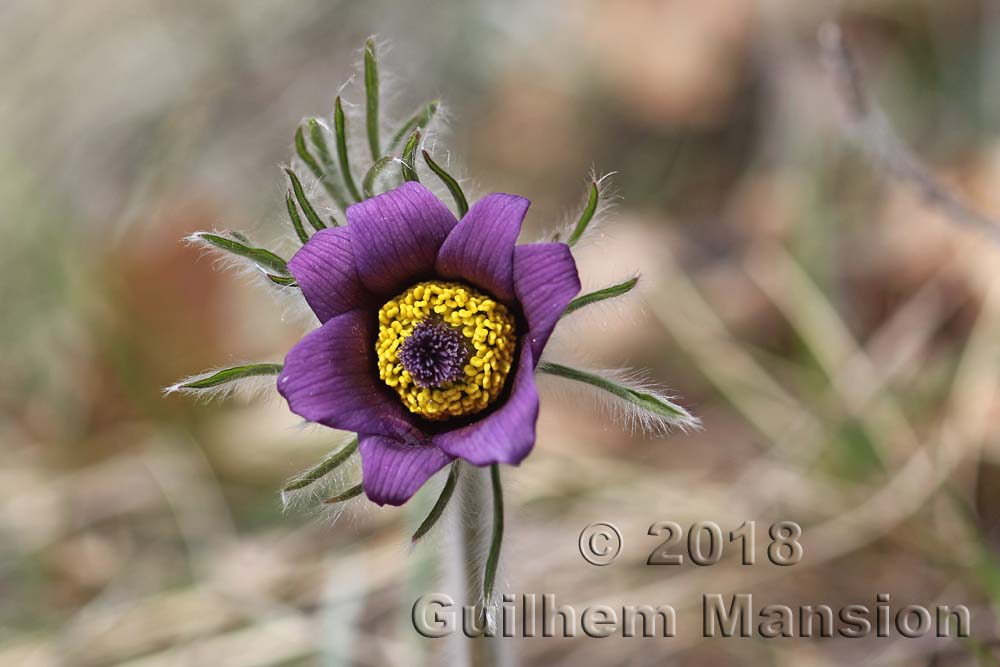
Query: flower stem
(496, 540)
(471, 492)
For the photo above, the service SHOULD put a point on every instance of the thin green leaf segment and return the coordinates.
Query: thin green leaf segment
(260, 256)
(344, 495)
(601, 295)
(293, 215)
(322, 173)
(304, 203)
(587, 215)
(330, 463)
(340, 129)
(319, 140)
(284, 281)
(461, 203)
(440, 505)
(371, 99)
(409, 157)
(419, 120)
(303, 152)
(644, 400)
(368, 185)
(231, 375)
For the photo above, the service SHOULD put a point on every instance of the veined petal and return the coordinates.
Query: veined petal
(545, 280)
(328, 378)
(325, 270)
(508, 434)
(393, 471)
(396, 236)
(480, 249)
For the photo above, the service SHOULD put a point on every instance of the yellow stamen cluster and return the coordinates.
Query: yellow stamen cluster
(486, 325)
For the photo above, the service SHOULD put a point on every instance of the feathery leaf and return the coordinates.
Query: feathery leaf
(293, 215)
(326, 172)
(639, 403)
(260, 256)
(304, 203)
(409, 157)
(340, 129)
(344, 495)
(368, 185)
(303, 151)
(440, 505)
(222, 381)
(284, 281)
(319, 141)
(601, 295)
(332, 461)
(587, 215)
(419, 120)
(456, 190)
(371, 99)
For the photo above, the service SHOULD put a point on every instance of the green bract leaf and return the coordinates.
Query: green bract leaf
(344, 495)
(304, 203)
(319, 141)
(601, 295)
(368, 185)
(371, 99)
(293, 215)
(409, 157)
(284, 281)
(587, 215)
(331, 462)
(648, 407)
(440, 505)
(226, 376)
(263, 258)
(340, 129)
(418, 121)
(456, 190)
(303, 152)
(326, 172)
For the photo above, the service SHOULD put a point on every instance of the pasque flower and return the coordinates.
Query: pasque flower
(431, 329)
(431, 325)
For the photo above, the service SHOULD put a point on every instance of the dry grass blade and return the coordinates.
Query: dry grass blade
(871, 130)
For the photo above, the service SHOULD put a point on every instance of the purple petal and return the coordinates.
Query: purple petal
(545, 281)
(396, 236)
(393, 471)
(324, 269)
(506, 435)
(480, 249)
(329, 378)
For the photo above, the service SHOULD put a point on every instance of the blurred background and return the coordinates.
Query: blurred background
(839, 339)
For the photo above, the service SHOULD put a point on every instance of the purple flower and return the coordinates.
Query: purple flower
(431, 329)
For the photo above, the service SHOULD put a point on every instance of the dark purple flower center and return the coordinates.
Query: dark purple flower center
(434, 353)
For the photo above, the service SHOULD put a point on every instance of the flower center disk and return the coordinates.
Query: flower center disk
(445, 348)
